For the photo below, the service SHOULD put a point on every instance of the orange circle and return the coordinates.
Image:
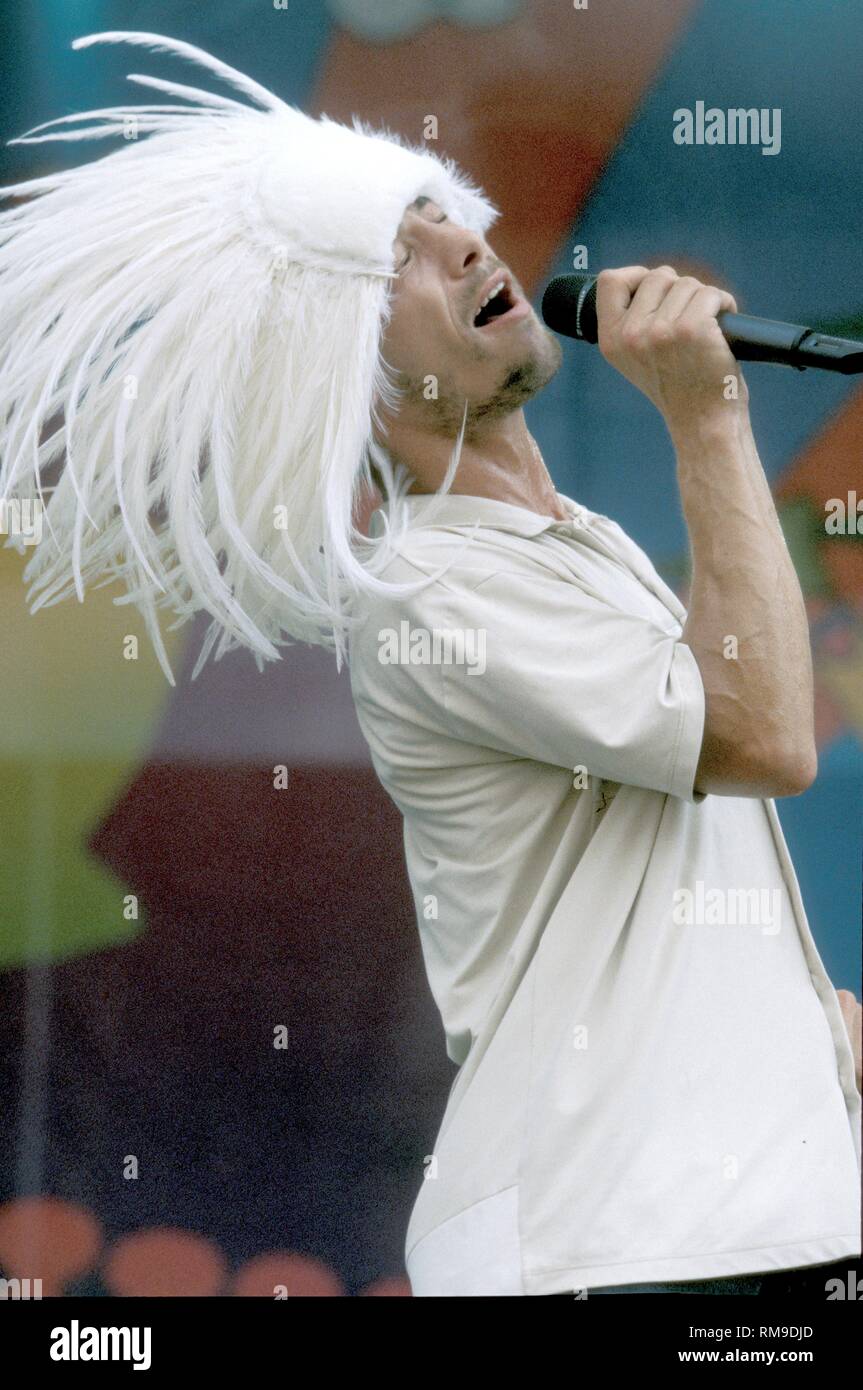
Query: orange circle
(396, 1286)
(48, 1238)
(282, 1272)
(164, 1262)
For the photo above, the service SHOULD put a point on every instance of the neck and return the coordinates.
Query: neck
(502, 462)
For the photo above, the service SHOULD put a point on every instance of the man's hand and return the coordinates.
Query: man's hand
(852, 1013)
(659, 330)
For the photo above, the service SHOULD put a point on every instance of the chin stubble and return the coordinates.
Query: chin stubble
(519, 384)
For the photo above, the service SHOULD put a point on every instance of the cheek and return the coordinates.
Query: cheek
(419, 332)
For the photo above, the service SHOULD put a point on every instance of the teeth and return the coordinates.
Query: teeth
(497, 289)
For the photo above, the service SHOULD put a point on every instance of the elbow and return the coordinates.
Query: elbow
(804, 772)
(810, 769)
(785, 772)
(791, 782)
(736, 770)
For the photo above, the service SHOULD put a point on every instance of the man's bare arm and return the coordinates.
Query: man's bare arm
(747, 625)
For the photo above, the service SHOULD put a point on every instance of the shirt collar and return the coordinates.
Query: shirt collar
(460, 509)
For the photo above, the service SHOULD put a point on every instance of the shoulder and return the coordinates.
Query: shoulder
(469, 556)
(435, 579)
(416, 582)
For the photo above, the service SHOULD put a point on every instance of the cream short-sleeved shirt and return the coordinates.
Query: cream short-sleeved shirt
(655, 1081)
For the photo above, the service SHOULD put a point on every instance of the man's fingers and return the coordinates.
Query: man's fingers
(709, 299)
(679, 298)
(653, 292)
(614, 291)
(638, 292)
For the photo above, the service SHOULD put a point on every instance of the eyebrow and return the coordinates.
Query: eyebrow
(419, 203)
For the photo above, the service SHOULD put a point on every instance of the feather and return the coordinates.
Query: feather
(177, 89)
(160, 44)
(192, 328)
(120, 113)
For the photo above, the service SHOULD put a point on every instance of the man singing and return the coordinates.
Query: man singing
(221, 334)
(649, 1096)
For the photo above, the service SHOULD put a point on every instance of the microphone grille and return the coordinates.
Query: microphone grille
(569, 306)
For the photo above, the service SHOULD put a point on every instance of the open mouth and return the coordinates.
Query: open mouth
(499, 301)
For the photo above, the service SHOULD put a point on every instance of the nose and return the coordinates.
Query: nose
(458, 249)
(462, 249)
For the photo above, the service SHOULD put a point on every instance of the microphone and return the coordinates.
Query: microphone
(569, 307)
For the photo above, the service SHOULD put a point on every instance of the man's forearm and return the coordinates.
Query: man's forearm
(747, 624)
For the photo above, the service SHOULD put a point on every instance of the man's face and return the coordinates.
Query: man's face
(496, 362)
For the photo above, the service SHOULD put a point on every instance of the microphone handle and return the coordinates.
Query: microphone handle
(766, 340)
(761, 340)
(750, 339)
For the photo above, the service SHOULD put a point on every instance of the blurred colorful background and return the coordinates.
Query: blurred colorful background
(220, 1065)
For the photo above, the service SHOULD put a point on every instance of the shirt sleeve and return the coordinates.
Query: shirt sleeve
(551, 671)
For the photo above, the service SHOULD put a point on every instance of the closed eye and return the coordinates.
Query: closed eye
(444, 218)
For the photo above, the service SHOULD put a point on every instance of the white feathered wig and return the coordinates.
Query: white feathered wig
(192, 326)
